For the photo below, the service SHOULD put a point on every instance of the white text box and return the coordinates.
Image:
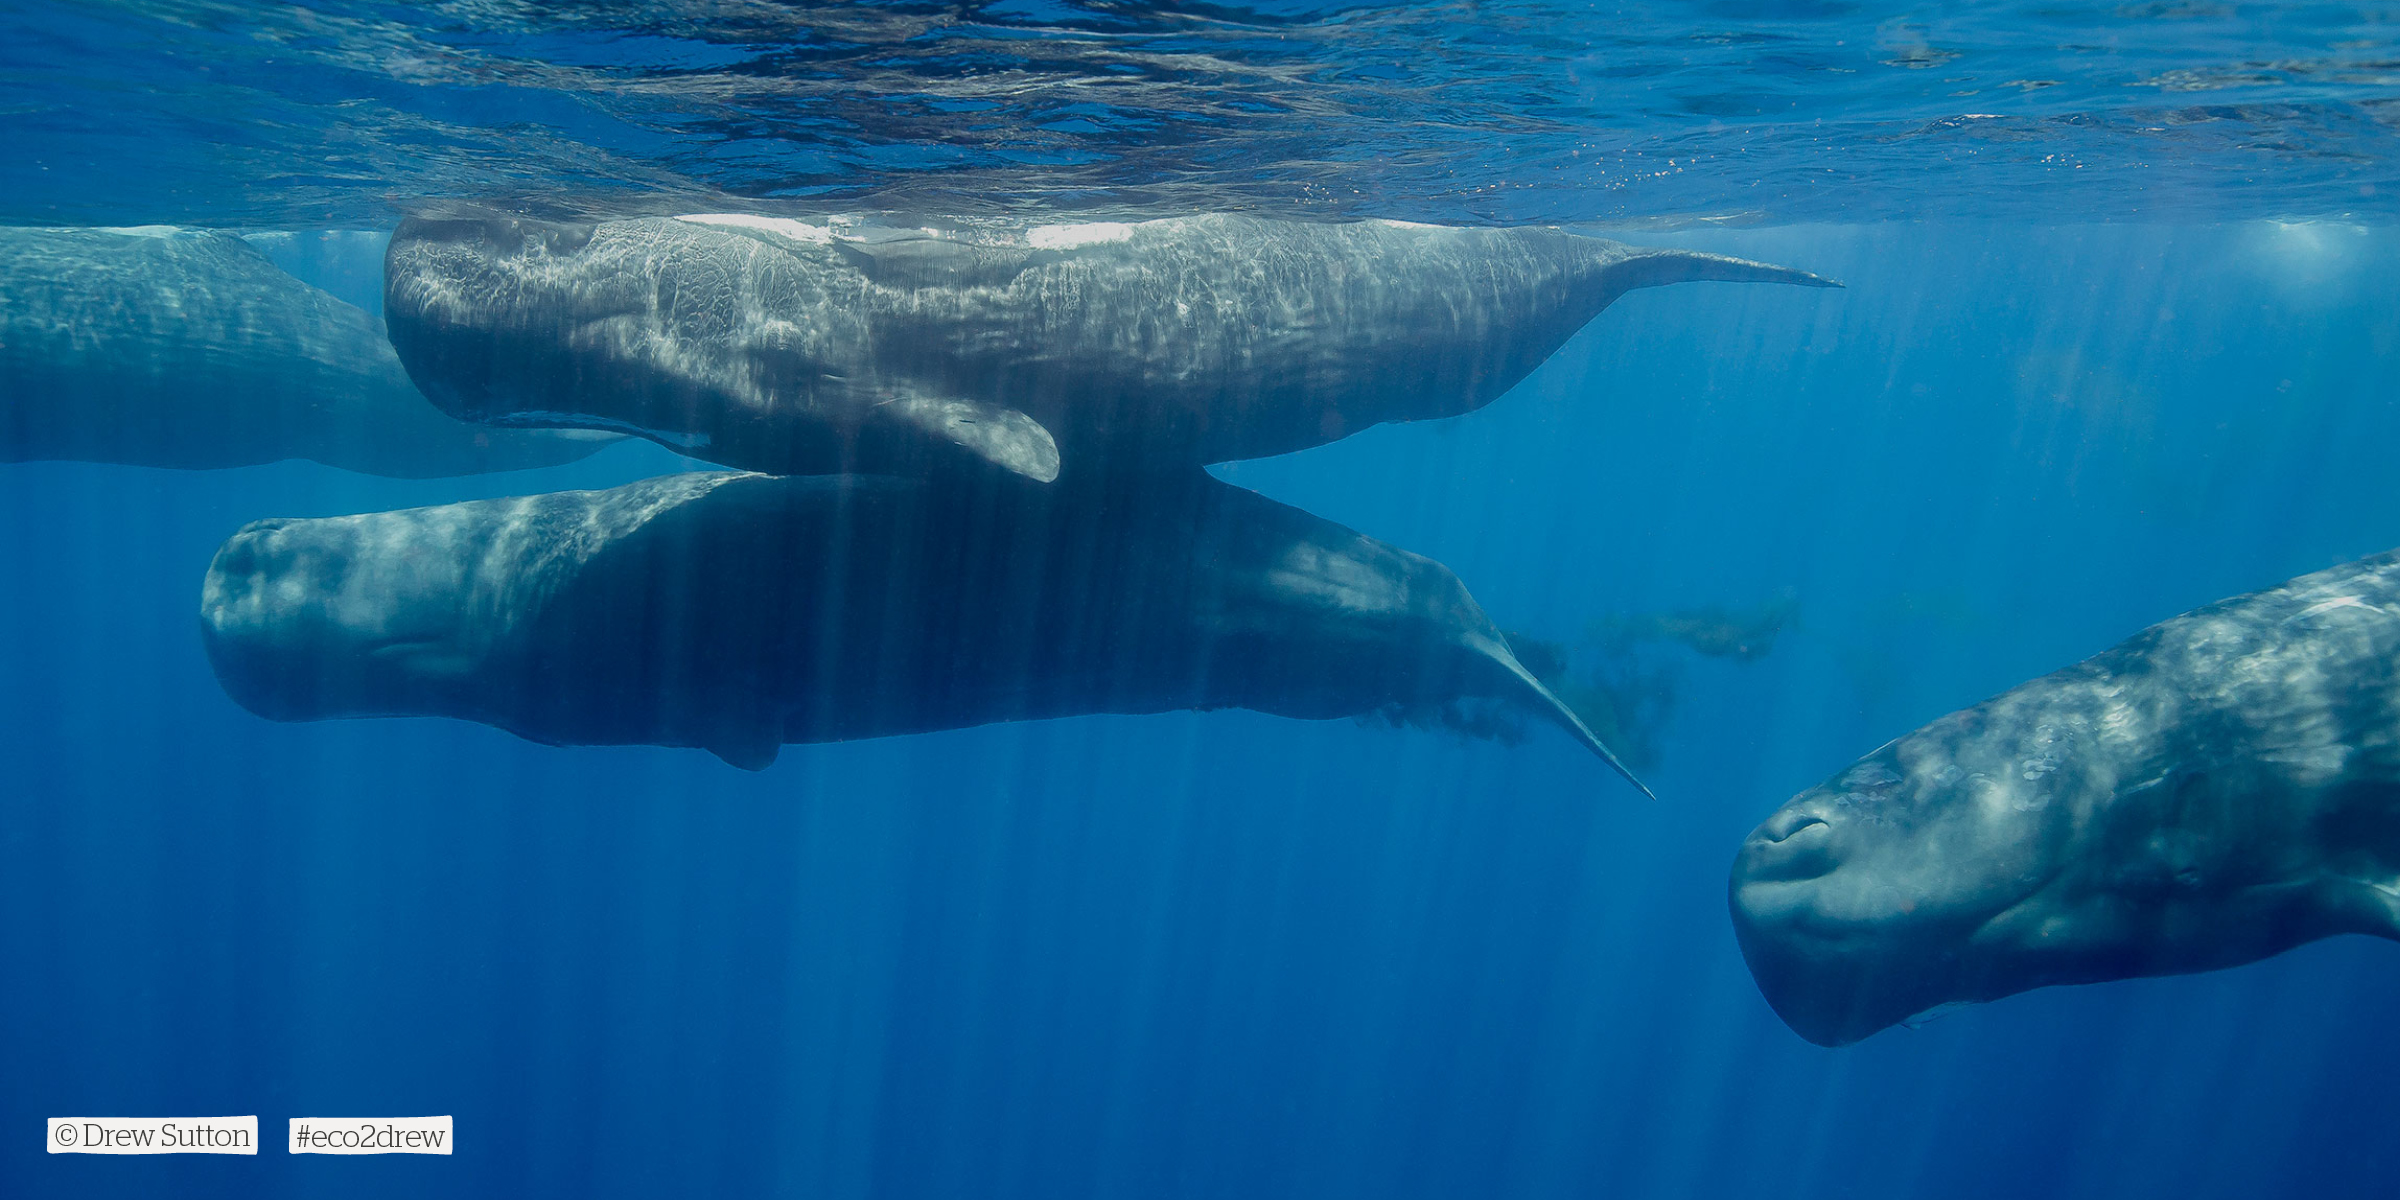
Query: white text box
(369, 1135)
(152, 1135)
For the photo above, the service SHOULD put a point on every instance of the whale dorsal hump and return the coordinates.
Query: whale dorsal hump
(751, 744)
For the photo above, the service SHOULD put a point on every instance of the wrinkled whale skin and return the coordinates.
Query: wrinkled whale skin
(171, 348)
(790, 347)
(739, 612)
(2217, 789)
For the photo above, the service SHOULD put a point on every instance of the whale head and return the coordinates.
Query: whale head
(2057, 834)
(346, 616)
(1871, 898)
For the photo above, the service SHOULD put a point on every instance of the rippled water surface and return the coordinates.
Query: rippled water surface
(1512, 112)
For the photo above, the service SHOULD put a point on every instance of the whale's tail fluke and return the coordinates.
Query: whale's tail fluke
(1544, 701)
(1653, 268)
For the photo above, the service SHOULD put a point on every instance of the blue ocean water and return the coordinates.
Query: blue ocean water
(2114, 374)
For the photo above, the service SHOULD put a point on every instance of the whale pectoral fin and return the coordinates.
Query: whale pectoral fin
(1655, 268)
(1003, 436)
(1542, 700)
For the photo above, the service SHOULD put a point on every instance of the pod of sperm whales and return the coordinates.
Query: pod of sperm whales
(169, 348)
(739, 612)
(2217, 789)
(793, 347)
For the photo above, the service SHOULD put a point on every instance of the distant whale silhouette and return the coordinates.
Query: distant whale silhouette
(2218, 788)
(168, 348)
(738, 612)
(799, 348)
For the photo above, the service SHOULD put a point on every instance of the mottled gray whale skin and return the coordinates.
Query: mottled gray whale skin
(739, 612)
(799, 348)
(2217, 789)
(169, 348)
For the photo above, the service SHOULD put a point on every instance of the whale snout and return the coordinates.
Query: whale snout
(1830, 936)
(243, 586)
(1867, 900)
(301, 619)
(1829, 976)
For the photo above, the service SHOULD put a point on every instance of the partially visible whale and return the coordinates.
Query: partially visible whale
(794, 347)
(2219, 788)
(739, 612)
(169, 348)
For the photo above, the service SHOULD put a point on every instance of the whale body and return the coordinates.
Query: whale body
(740, 612)
(795, 347)
(2219, 788)
(170, 348)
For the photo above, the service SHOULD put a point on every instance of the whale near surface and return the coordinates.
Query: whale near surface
(794, 347)
(740, 612)
(2217, 789)
(171, 348)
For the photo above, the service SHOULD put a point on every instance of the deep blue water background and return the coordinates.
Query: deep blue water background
(1227, 955)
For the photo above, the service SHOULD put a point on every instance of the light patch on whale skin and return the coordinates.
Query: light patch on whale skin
(2312, 765)
(2118, 720)
(1337, 581)
(2326, 606)
(782, 227)
(146, 231)
(1068, 237)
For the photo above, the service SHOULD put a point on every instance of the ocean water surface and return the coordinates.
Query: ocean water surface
(2119, 337)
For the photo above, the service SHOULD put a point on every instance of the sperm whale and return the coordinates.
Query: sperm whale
(166, 347)
(798, 347)
(2218, 788)
(740, 612)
